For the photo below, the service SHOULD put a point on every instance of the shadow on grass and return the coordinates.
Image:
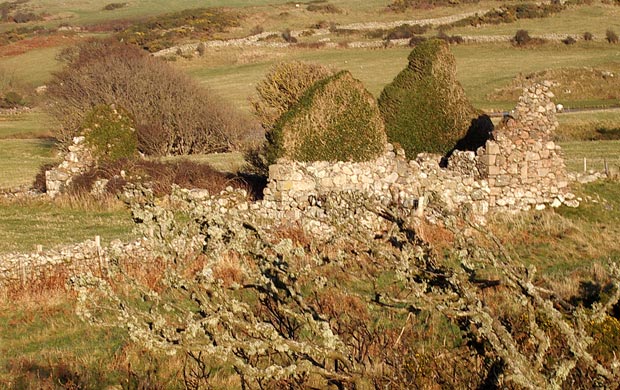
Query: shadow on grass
(607, 134)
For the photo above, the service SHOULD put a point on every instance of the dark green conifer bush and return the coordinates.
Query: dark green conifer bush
(337, 119)
(425, 108)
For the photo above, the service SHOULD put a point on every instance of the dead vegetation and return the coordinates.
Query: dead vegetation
(172, 113)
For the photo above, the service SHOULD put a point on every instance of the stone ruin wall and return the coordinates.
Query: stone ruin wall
(77, 160)
(519, 169)
(523, 166)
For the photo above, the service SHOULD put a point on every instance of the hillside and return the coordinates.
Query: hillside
(125, 281)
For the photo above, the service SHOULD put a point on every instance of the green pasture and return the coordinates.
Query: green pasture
(589, 125)
(596, 154)
(21, 159)
(26, 224)
(34, 67)
(268, 13)
(595, 18)
(33, 124)
(481, 68)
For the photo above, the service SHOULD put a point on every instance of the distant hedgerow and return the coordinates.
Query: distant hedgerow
(113, 6)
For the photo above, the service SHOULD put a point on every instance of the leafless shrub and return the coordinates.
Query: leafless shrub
(173, 114)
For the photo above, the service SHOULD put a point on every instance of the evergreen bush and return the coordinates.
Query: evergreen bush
(281, 89)
(110, 133)
(425, 108)
(337, 119)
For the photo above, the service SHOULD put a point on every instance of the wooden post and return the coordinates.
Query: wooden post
(39, 249)
(102, 269)
(585, 165)
(606, 167)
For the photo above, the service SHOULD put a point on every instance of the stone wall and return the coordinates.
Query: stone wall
(76, 161)
(519, 169)
(86, 257)
(522, 164)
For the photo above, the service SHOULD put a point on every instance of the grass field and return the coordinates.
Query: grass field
(26, 224)
(481, 68)
(589, 125)
(272, 14)
(32, 124)
(576, 20)
(595, 153)
(34, 67)
(21, 159)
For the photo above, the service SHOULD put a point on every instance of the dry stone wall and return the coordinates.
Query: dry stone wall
(76, 161)
(83, 258)
(519, 169)
(522, 164)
